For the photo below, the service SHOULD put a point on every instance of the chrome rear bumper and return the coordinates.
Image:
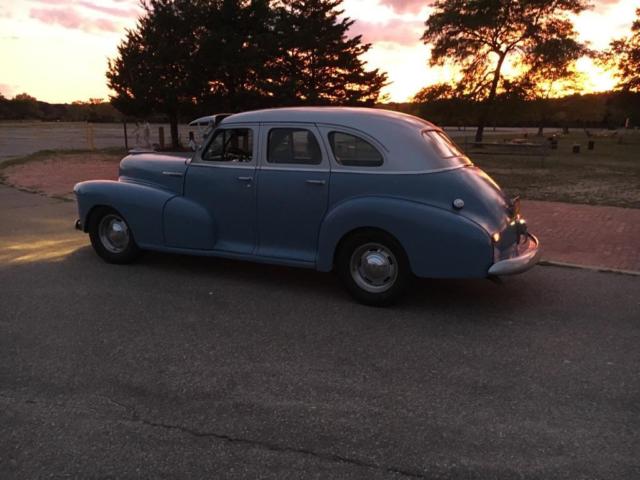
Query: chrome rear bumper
(526, 258)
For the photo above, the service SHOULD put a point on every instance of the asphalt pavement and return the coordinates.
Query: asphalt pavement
(204, 368)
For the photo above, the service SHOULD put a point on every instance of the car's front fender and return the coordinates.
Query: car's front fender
(438, 243)
(140, 205)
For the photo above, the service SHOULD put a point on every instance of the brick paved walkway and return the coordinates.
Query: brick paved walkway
(607, 237)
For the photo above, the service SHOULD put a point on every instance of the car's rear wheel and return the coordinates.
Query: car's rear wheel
(374, 267)
(111, 236)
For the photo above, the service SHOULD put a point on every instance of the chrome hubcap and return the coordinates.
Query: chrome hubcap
(374, 267)
(114, 233)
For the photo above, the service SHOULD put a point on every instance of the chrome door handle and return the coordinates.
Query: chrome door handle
(172, 174)
(246, 180)
(316, 182)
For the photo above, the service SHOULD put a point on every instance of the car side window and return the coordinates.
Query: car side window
(293, 145)
(353, 151)
(230, 145)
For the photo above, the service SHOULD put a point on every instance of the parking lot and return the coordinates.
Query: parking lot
(184, 367)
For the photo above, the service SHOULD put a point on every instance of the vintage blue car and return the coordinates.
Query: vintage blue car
(377, 196)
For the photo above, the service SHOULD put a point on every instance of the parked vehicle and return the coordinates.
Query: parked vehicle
(204, 126)
(377, 196)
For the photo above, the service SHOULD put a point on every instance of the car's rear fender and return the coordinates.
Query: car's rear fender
(140, 205)
(438, 243)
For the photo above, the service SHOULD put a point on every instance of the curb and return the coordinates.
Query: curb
(552, 263)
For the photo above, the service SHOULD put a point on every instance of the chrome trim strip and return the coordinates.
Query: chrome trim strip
(251, 166)
(295, 169)
(173, 174)
(381, 171)
(520, 263)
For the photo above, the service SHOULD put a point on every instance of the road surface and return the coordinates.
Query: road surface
(196, 368)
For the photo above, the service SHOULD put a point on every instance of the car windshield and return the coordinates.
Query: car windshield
(444, 148)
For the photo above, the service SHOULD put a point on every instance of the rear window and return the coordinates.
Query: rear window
(444, 147)
(353, 151)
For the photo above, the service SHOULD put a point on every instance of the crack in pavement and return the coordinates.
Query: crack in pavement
(136, 418)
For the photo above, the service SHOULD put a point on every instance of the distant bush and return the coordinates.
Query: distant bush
(26, 107)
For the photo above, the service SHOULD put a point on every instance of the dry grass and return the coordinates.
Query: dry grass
(607, 175)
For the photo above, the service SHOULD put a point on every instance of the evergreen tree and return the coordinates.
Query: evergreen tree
(317, 62)
(233, 55)
(155, 69)
(238, 41)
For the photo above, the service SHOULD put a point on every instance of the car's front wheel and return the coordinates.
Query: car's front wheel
(111, 237)
(374, 267)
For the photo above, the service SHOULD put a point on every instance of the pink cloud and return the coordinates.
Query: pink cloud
(112, 11)
(602, 5)
(395, 31)
(7, 90)
(414, 6)
(54, 2)
(69, 18)
(103, 7)
(407, 6)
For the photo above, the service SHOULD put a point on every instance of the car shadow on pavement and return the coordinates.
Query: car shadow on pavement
(470, 298)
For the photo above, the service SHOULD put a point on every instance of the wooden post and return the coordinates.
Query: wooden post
(90, 137)
(161, 137)
(126, 138)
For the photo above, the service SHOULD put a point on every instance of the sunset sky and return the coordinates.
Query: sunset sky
(57, 50)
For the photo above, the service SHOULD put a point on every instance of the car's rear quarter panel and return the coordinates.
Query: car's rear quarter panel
(438, 243)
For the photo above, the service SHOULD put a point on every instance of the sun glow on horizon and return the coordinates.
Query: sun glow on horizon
(57, 51)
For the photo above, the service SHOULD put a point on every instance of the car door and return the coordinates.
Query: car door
(293, 187)
(221, 179)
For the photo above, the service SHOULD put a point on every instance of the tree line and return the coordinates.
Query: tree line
(606, 110)
(26, 107)
(596, 110)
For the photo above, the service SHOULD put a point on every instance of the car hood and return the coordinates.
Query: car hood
(154, 169)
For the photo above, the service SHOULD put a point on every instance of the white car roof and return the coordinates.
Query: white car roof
(397, 135)
(355, 117)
